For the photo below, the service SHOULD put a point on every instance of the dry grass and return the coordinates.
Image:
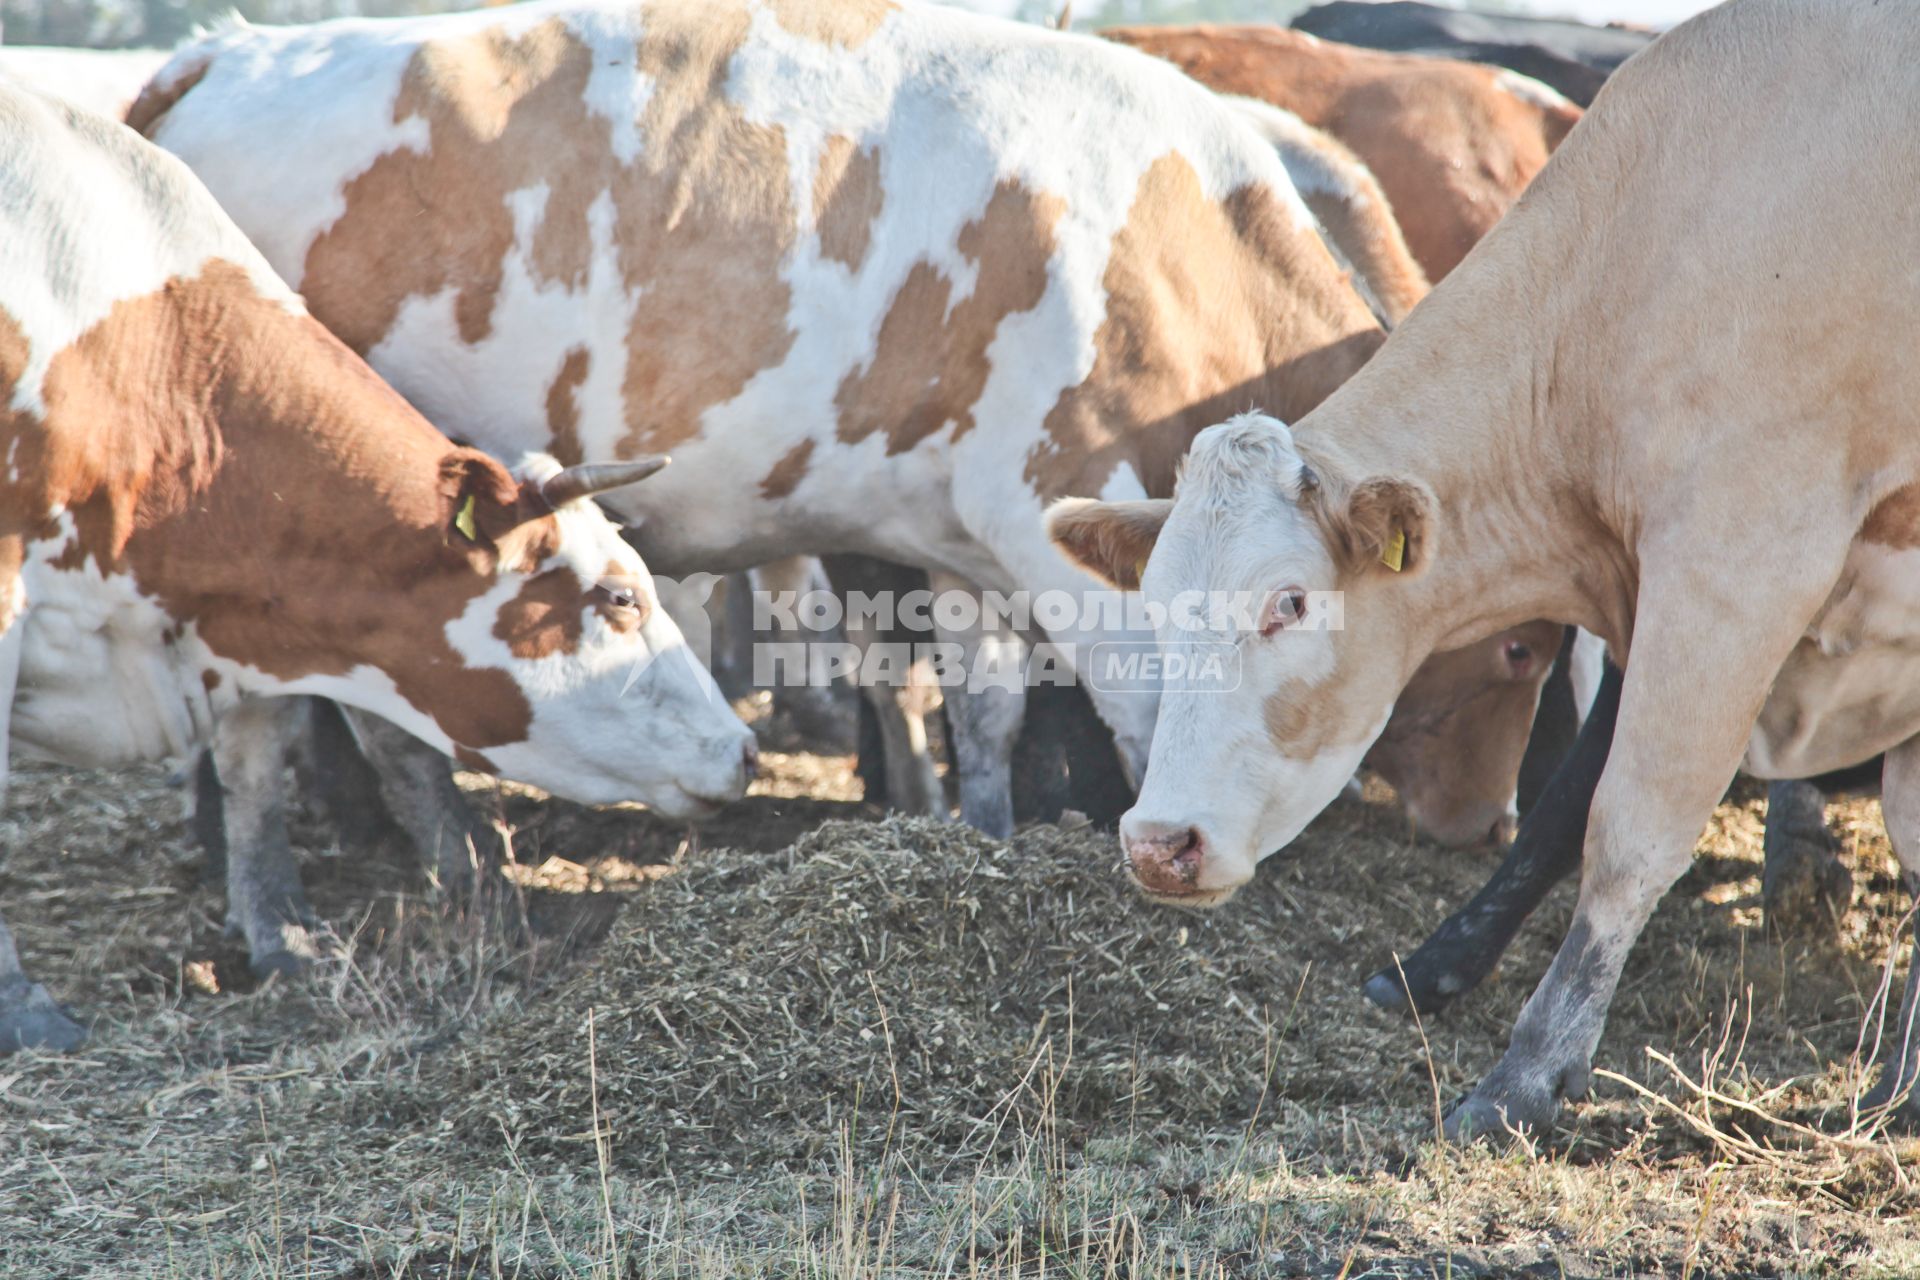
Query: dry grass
(898, 1049)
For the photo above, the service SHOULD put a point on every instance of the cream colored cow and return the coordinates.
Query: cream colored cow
(1672, 398)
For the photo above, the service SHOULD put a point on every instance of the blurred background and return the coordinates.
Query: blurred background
(119, 24)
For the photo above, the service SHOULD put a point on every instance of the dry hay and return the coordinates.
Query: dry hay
(921, 984)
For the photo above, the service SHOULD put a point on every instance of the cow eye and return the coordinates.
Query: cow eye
(618, 596)
(1286, 609)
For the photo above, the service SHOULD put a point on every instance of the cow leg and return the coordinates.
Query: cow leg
(818, 711)
(1556, 727)
(984, 709)
(337, 777)
(265, 903)
(207, 818)
(1805, 886)
(29, 1017)
(1468, 944)
(1686, 710)
(895, 761)
(459, 849)
(1900, 1055)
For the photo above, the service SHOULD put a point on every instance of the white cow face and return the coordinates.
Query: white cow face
(621, 706)
(1289, 567)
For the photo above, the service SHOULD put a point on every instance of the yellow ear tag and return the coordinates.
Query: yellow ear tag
(464, 521)
(1394, 554)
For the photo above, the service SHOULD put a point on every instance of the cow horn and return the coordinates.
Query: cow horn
(589, 478)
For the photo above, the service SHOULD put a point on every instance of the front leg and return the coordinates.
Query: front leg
(1899, 1046)
(459, 848)
(1468, 944)
(265, 902)
(984, 710)
(1687, 707)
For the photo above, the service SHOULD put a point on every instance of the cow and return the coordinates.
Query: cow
(210, 505)
(886, 278)
(1574, 58)
(104, 81)
(1452, 143)
(1677, 351)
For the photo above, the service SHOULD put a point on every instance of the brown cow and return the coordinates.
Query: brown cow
(1452, 143)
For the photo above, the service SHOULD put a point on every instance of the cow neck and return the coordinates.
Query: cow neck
(1473, 397)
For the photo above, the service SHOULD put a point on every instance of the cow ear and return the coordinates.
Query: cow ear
(1385, 524)
(479, 499)
(1110, 540)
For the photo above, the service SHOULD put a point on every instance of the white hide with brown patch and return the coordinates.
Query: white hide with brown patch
(123, 655)
(954, 108)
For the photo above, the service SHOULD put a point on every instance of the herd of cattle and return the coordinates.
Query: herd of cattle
(1024, 311)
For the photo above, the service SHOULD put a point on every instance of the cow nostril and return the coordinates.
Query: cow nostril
(750, 759)
(1186, 859)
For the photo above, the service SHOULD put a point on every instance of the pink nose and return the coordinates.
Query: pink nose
(1167, 860)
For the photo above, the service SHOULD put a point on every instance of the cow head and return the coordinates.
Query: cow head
(618, 706)
(1459, 730)
(1311, 570)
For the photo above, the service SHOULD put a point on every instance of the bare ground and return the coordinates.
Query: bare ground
(813, 1043)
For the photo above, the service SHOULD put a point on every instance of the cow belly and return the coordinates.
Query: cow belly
(100, 685)
(1851, 688)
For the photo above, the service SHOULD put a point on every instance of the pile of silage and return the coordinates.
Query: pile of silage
(909, 984)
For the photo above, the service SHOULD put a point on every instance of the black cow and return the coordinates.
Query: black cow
(1572, 57)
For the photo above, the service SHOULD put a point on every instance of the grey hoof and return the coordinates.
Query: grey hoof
(1387, 991)
(30, 1019)
(1515, 1101)
(298, 951)
(1428, 993)
(1906, 1115)
(1487, 1118)
(281, 964)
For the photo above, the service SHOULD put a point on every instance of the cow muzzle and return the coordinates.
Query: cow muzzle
(1171, 863)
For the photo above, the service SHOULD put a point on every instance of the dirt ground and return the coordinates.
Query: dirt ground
(810, 1041)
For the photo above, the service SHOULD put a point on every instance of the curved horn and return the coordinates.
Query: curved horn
(589, 478)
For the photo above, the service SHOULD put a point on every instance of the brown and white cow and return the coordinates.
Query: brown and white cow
(886, 278)
(1672, 398)
(1452, 143)
(209, 503)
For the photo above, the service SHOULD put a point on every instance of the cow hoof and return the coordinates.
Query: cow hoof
(990, 820)
(279, 964)
(1422, 992)
(1517, 1098)
(31, 1019)
(1891, 1090)
(1497, 1117)
(299, 949)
